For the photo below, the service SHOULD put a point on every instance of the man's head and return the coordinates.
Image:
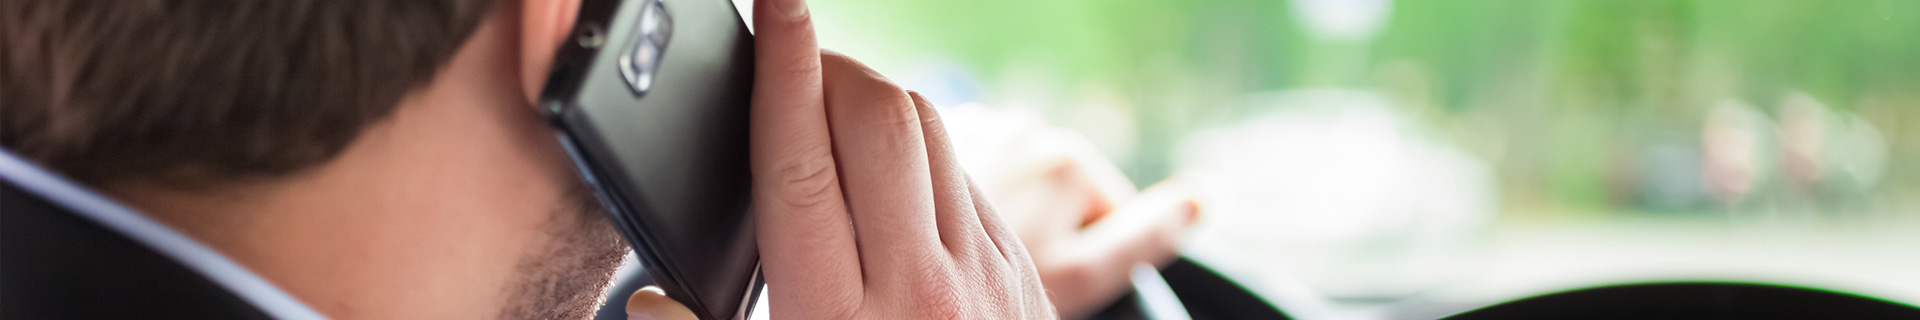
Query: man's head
(375, 158)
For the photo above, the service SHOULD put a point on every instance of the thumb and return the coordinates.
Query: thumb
(1146, 228)
(651, 303)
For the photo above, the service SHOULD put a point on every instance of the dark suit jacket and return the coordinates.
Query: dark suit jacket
(68, 253)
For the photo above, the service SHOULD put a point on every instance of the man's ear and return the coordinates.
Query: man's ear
(544, 24)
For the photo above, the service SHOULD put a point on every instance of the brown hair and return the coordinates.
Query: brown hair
(202, 90)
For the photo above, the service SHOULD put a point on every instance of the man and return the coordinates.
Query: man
(380, 159)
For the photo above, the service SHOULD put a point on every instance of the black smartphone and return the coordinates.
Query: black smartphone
(650, 98)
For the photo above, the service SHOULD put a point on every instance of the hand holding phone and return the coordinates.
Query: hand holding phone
(863, 209)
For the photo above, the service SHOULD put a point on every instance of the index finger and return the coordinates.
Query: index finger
(806, 237)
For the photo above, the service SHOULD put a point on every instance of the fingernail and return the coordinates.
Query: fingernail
(1193, 210)
(791, 9)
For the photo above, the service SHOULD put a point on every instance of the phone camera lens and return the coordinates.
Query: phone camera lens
(639, 64)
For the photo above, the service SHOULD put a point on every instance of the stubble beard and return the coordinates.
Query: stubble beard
(569, 278)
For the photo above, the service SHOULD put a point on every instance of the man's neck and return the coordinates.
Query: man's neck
(424, 215)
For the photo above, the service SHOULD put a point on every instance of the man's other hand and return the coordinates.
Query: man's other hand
(1085, 223)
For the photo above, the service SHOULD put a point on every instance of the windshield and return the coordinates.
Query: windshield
(1429, 156)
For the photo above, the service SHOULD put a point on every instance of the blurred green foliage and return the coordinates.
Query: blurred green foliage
(1559, 94)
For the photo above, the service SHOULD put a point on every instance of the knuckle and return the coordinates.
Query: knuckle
(805, 183)
(875, 100)
(1017, 257)
(804, 66)
(966, 249)
(797, 64)
(984, 253)
(891, 102)
(887, 112)
(940, 303)
(900, 126)
(843, 306)
(1010, 246)
(941, 311)
(936, 295)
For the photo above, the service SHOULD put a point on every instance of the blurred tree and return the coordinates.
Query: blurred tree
(1583, 92)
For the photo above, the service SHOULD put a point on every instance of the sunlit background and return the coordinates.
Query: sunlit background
(1404, 159)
